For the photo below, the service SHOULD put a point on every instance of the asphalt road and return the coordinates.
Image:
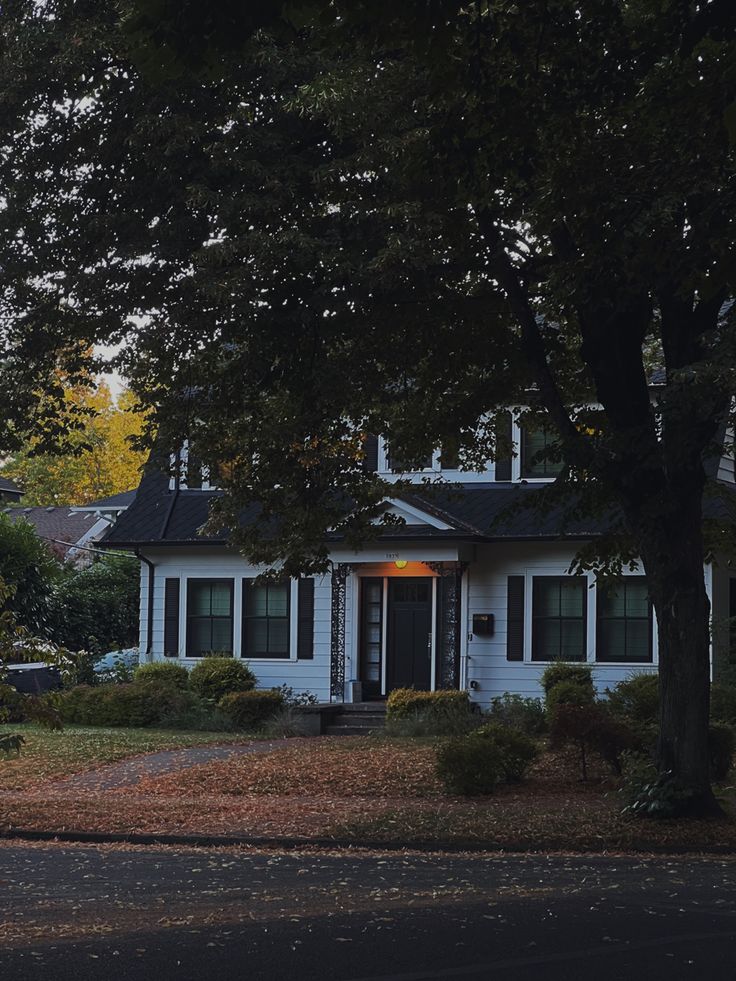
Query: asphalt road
(77, 912)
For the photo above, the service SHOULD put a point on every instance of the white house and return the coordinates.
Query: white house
(469, 592)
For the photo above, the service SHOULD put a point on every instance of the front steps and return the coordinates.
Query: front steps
(357, 719)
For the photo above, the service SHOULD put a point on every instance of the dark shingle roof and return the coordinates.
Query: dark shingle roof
(8, 487)
(123, 500)
(55, 525)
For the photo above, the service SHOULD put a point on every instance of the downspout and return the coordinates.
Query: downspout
(148, 654)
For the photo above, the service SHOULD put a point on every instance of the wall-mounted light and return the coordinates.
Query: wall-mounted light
(401, 563)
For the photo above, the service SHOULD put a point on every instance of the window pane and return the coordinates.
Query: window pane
(256, 637)
(221, 635)
(546, 597)
(220, 599)
(612, 640)
(278, 637)
(199, 599)
(277, 601)
(373, 634)
(573, 640)
(256, 600)
(637, 640)
(637, 599)
(547, 640)
(199, 636)
(572, 597)
(373, 593)
(534, 441)
(611, 600)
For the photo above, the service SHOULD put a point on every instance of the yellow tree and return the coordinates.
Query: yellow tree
(98, 458)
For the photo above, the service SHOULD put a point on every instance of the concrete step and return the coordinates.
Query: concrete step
(367, 722)
(349, 730)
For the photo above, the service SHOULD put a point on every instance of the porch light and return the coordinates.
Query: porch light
(401, 563)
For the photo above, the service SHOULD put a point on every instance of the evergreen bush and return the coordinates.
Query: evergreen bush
(251, 709)
(214, 677)
(165, 672)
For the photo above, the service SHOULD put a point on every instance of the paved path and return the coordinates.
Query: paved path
(127, 773)
(73, 914)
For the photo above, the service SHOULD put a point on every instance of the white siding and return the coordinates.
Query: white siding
(303, 675)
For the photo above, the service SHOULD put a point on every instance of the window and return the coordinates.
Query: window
(535, 444)
(624, 621)
(371, 630)
(559, 618)
(266, 619)
(398, 464)
(209, 616)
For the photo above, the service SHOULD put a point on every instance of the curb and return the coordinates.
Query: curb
(294, 844)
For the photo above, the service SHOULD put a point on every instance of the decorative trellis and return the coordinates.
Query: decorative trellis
(340, 574)
(449, 606)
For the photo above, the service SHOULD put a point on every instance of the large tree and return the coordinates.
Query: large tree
(401, 232)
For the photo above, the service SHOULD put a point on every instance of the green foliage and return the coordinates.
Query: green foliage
(425, 713)
(567, 693)
(591, 727)
(214, 677)
(296, 698)
(636, 699)
(29, 569)
(517, 750)
(163, 672)
(147, 703)
(648, 793)
(723, 703)
(475, 763)
(721, 745)
(251, 709)
(97, 609)
(525, 714)
(564, 671)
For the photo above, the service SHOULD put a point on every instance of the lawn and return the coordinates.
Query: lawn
(48, 755)
(373, 789)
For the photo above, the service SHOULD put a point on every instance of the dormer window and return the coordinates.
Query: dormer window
(188, 472)
(538, 454)
(398, 464)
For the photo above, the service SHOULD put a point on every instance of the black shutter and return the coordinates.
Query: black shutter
(370, 447)
(171, 618)
(515, 619)
(503, 457)
(305, 622)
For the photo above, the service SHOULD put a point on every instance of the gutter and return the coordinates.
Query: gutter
(149, 619)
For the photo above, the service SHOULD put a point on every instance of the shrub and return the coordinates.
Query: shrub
(648, 793)
(721, 745)
(135, 704)
(165, 672)
(517, 751)
(475, 763)
(429, 713)
(524, 714)
(215, 677)
(560, 671)
(636, 699)
(287, 722)
(723, 703)
(251, 709)
(405, 701)
(468, 765)
(592, 728)
(567, 693)
(296, 698)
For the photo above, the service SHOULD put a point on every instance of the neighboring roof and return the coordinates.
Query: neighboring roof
(56, 525)
(123, 500)
(8, 487)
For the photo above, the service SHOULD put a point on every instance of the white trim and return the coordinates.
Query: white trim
(384, 633)
(433, 636)
(405, 510)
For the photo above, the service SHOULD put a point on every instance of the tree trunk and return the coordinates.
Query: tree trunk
(673, 554)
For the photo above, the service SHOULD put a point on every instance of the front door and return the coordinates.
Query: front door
(409, 635)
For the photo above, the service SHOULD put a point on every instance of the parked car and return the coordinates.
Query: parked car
(115, 663)
(34, 678)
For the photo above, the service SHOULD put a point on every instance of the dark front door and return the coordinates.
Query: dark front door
(409, 654)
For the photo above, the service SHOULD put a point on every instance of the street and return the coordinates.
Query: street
(78, 912)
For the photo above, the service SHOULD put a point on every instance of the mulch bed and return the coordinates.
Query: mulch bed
(363, 790)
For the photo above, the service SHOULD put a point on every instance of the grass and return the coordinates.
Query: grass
(47, 755)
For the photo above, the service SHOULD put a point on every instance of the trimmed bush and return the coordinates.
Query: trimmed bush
(567, 693)
(636, 699)
(165, 672)
(403, 702)
(469, 766)
(524, 714)
(517, 751)
(723, 703)
(135, 704)
(721, 745)
(430, 713)
(215, 677)
(563, 671)
(592, 728)
(477, 762)
(251, 709)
